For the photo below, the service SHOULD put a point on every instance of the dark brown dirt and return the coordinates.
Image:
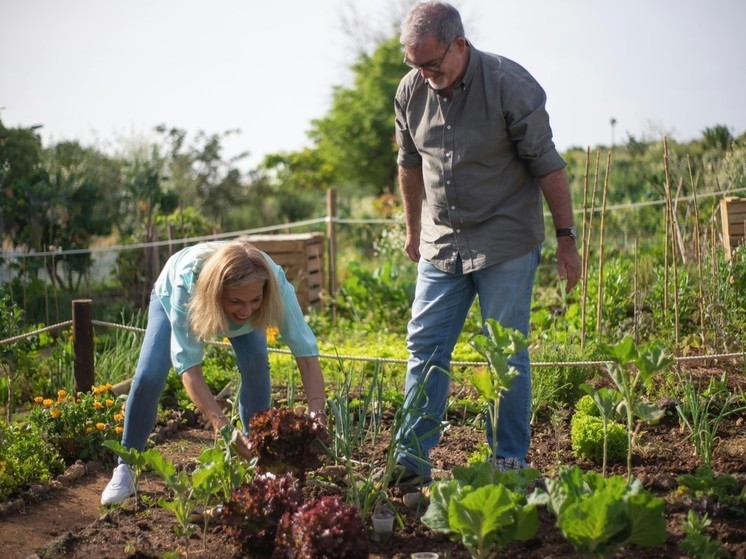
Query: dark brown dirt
(71, 523)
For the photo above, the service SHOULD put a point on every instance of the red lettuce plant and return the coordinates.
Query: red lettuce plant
(284, 441)
(255, 509)
(322, 529)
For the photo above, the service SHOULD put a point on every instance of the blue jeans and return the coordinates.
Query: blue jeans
(441, 303)
(155, 363)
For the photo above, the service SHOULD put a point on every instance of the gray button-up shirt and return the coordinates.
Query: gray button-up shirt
(481, 156)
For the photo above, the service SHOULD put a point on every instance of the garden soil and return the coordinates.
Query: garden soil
(69, 522)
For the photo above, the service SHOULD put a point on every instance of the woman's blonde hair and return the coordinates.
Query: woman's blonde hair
(233, 265)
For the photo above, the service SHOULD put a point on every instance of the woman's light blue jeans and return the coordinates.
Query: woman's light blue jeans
(155, 362)
(441, 304)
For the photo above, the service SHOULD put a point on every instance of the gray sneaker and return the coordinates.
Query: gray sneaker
(505, 464)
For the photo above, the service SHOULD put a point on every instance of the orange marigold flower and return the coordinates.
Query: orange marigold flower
(100, 426)
(55, 414)
(119, 430)
(109, 403)
(38, 399)
(61, 394)
(98, 405)
(48, 402)
(89, 429)
(118, 417)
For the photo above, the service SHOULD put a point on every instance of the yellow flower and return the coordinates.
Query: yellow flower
(48, 402)
(61, 394)
(118, 417)
(55, 414)
(100, 426)
(78, 400)
(109, 403)
(118, 429)
(109, 386)
(272, 334)
(38, 399)
(98, 405)
(89, 429)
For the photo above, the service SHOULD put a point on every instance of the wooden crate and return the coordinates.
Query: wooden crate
(302, 257)
(733, 214)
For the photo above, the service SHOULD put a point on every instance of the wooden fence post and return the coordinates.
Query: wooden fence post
(83, 344)
(331, 235)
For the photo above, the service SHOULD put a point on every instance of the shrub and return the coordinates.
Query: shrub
(322, 529)
(78, 425)
(25, 457)
(587, 435)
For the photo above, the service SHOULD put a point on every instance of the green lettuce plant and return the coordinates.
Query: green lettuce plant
(484, 509)
(598, 515)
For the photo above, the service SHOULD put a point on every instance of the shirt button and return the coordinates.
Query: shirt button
(448, 127)
(458, 230)
(448, 182)
(453, 207)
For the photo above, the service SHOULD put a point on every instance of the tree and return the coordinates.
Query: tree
(355, 140)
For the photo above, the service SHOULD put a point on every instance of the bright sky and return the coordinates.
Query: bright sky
(102, 71)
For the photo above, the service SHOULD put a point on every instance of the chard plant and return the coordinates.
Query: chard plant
(497, 346)
(606, 401)
(697, 543)
(598, 515)
(484, 509)
(631, 369)
(133, 458)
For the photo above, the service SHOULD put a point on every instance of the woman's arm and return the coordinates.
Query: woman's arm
(313, 382)
(204, 399)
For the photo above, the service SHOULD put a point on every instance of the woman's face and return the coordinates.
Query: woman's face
(240, 302)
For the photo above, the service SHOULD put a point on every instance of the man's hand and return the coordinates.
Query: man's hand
(568, 262)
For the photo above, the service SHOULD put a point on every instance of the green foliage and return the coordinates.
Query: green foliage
(497, 346)
(17, 359)
(588, 438)
(632, 369)
(77, 425)
(555, 387)
(483, 511)
(598, 515)
(701, 411)
(25, 458)
(697, 543)
(586, 406)
(705, 483)
(355, 138)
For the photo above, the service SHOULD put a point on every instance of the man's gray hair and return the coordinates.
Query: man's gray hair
(428, 17)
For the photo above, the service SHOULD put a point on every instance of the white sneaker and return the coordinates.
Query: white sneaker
(121, 486)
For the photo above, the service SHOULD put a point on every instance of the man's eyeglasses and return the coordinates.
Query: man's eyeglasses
(429, 66)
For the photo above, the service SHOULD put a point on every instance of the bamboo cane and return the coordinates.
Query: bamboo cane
(671, 220)
(599, 302)
(697, 249)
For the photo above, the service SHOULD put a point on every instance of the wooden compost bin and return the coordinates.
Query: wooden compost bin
(733, 214)
(302, 257)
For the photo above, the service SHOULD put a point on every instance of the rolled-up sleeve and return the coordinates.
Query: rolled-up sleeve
(296, 333)
(408, 155)
(528, 126)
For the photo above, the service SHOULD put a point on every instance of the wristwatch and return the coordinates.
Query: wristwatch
(571, 232)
